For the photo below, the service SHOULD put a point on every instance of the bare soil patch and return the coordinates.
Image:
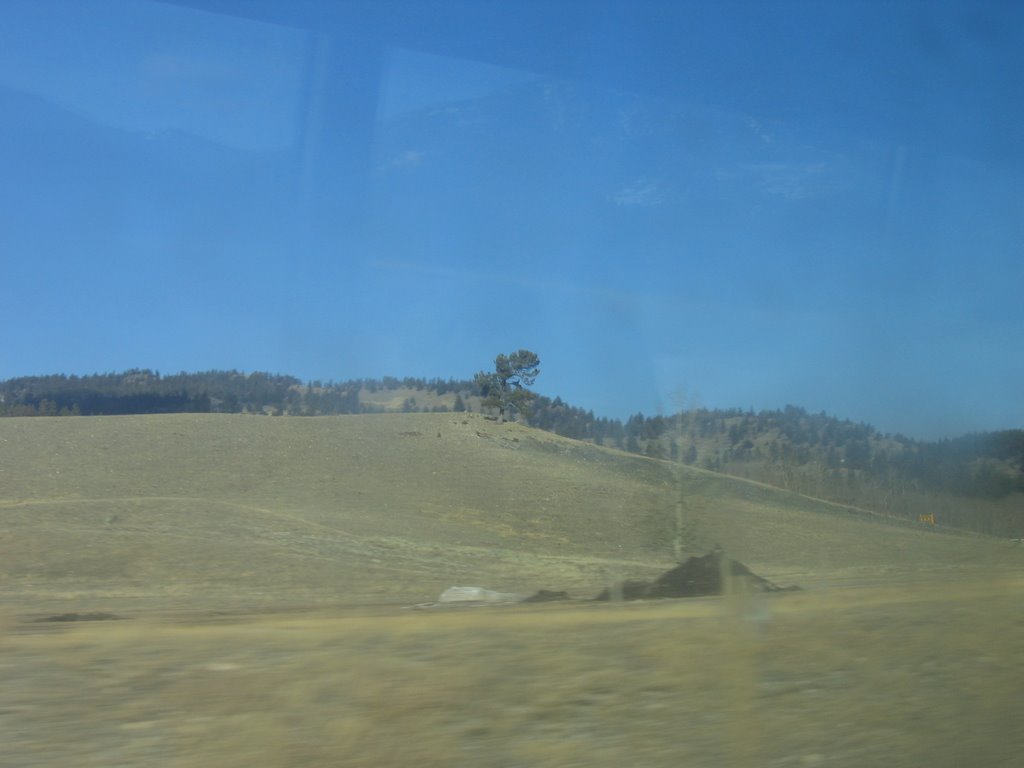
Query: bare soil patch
(709, 574)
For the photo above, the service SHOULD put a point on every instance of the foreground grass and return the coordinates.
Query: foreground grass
(922, 676)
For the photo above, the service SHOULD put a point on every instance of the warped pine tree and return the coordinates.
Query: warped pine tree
(505, 387)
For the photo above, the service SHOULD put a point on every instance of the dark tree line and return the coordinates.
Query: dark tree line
(142, 391)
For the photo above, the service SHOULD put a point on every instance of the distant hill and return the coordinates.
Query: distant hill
(974, 482)
(57, 154)
(112, 513)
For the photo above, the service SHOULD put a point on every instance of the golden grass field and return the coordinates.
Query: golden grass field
(265, 570)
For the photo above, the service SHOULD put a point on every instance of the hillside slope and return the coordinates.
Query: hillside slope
(200, 510)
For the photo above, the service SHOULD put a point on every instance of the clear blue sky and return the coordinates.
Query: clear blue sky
(701, 203)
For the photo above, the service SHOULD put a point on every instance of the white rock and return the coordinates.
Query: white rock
(476, 595)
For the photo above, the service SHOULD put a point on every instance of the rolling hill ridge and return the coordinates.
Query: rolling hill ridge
(216, 510)
(974, 481)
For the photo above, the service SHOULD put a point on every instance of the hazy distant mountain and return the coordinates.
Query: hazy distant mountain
(605, 142)
(93, 179)
(588, 167)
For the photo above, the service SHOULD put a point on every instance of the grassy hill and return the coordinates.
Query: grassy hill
(232, 511)
(974, 482)
(173, 521)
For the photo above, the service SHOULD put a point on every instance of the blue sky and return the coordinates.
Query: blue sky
(701, 203)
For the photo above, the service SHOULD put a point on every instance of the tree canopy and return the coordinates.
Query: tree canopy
(505, 387)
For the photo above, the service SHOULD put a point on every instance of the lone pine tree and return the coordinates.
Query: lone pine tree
(505, 387)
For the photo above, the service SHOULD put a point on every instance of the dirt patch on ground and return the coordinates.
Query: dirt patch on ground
(697, 577)
(81, 617)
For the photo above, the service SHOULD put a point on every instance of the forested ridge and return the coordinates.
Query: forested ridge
(976, 481)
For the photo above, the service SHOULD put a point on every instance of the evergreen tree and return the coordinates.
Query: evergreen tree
(505, 388)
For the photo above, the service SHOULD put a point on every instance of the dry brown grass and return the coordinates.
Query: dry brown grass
(928, 675)
(238, 546)
(235, 512)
